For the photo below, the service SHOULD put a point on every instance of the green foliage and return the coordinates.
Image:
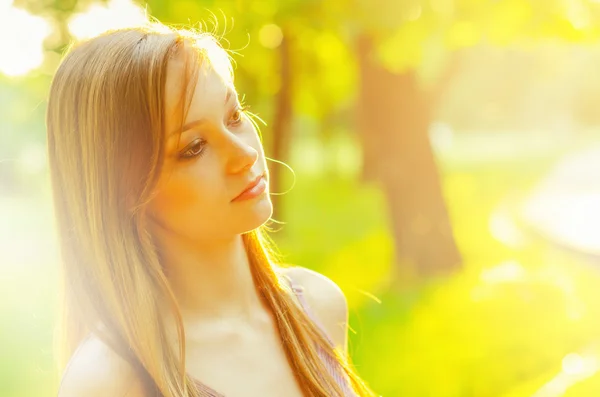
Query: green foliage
(500, 327)
(486, 331)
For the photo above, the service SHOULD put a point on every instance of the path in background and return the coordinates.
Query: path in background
(564, 210)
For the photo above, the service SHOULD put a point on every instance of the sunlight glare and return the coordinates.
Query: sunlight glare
(509, 271)
(21, 39)
(568, 218)
(32, 159)
(575, 369)
(504, 229)
(100, 18)
(573, 364)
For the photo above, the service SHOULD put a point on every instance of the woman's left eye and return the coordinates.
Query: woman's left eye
(238, 115)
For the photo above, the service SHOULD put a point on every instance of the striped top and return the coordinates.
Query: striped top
(330, 362)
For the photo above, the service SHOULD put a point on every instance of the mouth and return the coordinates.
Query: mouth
(254, 188)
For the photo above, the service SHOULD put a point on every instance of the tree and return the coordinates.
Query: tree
(399, 58)
(394, 118)
(389, 59)
(396, 45)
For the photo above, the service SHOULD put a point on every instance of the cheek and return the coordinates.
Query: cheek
(187, 197)
(177, 194)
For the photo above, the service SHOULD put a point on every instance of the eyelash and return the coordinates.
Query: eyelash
(201, 142)
(189, 153)
(241, 110)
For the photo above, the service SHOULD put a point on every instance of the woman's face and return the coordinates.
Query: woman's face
(217, 156)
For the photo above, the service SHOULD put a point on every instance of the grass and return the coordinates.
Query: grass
(484, 331)
(500, 327)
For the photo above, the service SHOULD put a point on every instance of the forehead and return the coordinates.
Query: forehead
(204, 90)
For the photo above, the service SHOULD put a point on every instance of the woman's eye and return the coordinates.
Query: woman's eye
(197, 149)
(238, 116)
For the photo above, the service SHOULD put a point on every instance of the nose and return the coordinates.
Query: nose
(242, 156)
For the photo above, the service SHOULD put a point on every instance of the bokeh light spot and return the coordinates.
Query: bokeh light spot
(100, 18)
(270, 36)
(21, 39)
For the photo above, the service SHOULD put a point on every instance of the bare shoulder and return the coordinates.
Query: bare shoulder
(96, 370)
(326, 299)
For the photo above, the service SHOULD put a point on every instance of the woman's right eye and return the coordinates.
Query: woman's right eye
(194, 150)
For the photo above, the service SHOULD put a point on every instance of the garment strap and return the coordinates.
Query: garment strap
(299, 292)
(331, 363)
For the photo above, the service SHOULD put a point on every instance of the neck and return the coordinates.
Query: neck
(210, 281)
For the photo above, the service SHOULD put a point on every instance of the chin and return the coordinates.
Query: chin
(256, 216)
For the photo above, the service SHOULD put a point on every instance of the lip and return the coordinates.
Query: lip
(253, 189)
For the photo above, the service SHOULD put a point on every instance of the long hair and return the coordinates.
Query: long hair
(106, 127)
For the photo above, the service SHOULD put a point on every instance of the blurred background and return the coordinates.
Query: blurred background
(447, 161)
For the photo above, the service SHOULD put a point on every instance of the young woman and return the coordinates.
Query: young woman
(161, 193)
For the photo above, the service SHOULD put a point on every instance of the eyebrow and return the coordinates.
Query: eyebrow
(200, 121)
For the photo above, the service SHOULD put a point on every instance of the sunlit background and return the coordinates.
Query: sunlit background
(447, 160)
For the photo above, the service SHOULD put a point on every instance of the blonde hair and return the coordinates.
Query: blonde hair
(105, 124)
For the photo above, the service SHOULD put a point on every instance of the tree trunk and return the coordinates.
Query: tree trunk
(394, 115)
(281, 127)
